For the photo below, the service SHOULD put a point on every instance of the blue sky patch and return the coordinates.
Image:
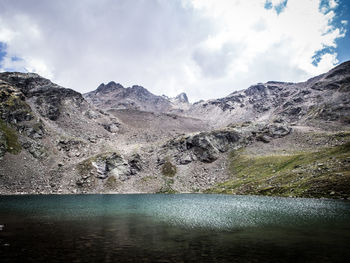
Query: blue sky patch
(16, 58)
(278, 8)
(318, 55)
(342, 12)
(268, 5)
(2, 51)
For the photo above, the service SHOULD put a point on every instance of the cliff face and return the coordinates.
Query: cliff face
(116, 139)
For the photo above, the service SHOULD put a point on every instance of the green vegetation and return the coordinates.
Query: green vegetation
(85, 166)
(11, 138)
(167, 188)
(324, 173)
(168, 169)
(148, 178)
(13, 100)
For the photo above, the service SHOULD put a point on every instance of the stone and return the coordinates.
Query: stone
(112, 128)
(264, 138)
(204, 146)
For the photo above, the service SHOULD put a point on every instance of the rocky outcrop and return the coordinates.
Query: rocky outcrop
(181, 98)
(112, 127)
(206, 146)
(107, 165)
(13, 108)
(47, 95)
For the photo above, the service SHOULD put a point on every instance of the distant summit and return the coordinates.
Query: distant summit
(111, 86)
(181, 98)
(114, 96)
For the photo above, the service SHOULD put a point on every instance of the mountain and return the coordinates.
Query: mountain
(115, 96)
(325, 97)
(273, 138)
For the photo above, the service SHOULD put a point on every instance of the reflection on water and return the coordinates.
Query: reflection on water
(172, 228)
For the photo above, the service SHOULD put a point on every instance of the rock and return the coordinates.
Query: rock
(36, 149)
(92, 140)
(91, 114)
(101, 169)
(185, 159)
(72, 147)
(278, 131)
(204, 146)
(263, 138)
(104, 165)
(112, 128)
(135, 163)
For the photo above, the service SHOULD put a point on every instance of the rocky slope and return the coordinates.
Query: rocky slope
(323, 98)
(277, 138)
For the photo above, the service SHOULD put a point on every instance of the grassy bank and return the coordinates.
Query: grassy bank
(323, 173)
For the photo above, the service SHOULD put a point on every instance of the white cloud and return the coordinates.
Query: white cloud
(333, 4)
(203, 47)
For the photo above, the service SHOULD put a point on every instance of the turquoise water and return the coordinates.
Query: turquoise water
(173, 228)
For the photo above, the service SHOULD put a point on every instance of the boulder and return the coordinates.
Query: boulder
(204, 146)
(110, 164)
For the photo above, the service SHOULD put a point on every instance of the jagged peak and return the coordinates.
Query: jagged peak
(182, 97)
(139, 90)
(109, 86)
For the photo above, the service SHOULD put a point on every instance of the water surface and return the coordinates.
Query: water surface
(173, 228)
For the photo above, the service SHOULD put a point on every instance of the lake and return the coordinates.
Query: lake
(172, 228)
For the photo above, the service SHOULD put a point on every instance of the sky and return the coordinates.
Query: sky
(205, 48)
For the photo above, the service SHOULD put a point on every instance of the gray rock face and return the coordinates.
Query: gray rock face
(36, 149)
(112, 127)
(48, 96)
(325, 97)
(13, 108)
(207, 146)
(115, 96)
(181, 98)
(203, 147)
(105, 165)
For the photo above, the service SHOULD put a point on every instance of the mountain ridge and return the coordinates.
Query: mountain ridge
(128, 140)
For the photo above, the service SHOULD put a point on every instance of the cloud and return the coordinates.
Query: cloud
(205, 48)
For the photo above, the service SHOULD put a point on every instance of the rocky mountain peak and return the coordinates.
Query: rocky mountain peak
(181, 98)
(111, 86)
(140, 91)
